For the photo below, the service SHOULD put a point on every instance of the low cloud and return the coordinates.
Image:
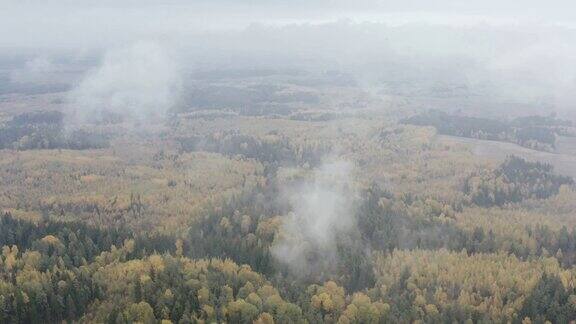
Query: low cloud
(140, 81)
(322, 210)
(35, 70)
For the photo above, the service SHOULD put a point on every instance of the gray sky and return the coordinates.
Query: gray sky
(92, 23)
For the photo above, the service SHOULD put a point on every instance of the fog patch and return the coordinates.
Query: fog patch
(35, 70)
(322, 210)
(138, 81)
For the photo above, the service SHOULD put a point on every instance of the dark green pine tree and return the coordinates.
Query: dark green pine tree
(549, 301)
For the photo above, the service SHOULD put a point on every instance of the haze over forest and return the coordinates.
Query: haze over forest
(519, 53)
(280, 161)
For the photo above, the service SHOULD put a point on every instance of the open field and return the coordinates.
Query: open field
(564, 161)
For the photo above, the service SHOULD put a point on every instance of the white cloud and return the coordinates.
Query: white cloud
(322, 210)
(35, 70)
(138, 80)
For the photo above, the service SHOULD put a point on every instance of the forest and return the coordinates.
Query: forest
(279, 162)
(536, 132)
(194, 225)
(45, 130)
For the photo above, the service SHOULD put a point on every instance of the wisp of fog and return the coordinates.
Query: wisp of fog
(322, 208)
(140, 80)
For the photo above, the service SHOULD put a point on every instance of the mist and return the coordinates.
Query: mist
(139, 80)
(322, 210)
(276, 161)
(504, 53)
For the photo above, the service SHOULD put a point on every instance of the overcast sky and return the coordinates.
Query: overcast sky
(99, 23)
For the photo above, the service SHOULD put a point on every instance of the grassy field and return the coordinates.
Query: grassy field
(564, 161)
